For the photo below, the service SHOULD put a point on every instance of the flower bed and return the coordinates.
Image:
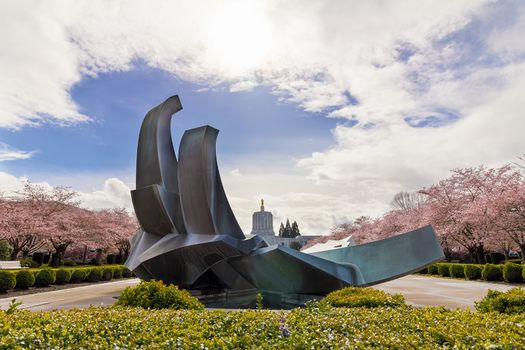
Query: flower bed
(312, 328)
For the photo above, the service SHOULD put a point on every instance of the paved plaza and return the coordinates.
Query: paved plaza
(418, 290)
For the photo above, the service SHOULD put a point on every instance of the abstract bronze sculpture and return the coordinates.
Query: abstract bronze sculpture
(189, 235)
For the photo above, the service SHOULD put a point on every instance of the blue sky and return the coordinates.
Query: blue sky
(326, 109)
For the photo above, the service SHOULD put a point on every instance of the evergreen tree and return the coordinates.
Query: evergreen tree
(287, 230)
(295, 230)
(281, 230)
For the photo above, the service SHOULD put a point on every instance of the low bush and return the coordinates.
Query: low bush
(69, 262)
(79, 275)
(363, 297)
(38, 258)
(472, 272)
(117, 272)
(95, 274)
(63, 276)
(444, 269)
(28, 262)
(512, 273)
(509, 302)
(423, 271)
(25, 279)
(126, 273)
(107, 273)
(45, 277)
(7, 281)
(457, 270)
(432, 269)
(157, 295)
(334, 328)
(492, 272)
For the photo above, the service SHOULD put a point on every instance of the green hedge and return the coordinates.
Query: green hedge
(509, 272)
(509, 302)
(472, 272)
(512, 273)
(363, 297)
(333, 328)
(45, 277)
(157, 295)
(492, 272)
(22, 278)
(444, 269)
(457, 270)
(7, 281)
(25, 279)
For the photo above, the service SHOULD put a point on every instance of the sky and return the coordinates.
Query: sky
(325, 109)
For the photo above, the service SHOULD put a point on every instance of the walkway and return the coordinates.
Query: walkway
(418, 290)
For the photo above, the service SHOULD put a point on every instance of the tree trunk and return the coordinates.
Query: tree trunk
(98, 258)
(522, 250)
(14, 254)
(480, 253)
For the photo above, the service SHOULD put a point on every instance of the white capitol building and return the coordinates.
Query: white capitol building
(262, 225)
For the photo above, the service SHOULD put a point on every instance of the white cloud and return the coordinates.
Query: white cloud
(9, 153)
(375, 62)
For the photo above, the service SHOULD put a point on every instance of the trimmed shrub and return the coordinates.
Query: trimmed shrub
(512, 273)
(363, 297)
(432, 269)
(443, 269)
(126, 273)
(45, 277)
(79, 275)
(38, 258)
(107, 273)
(117, 272)
(472, 272)
(423, 271)
(28, 262)
(7, 281)
(25, 279)
(492, 272)
(95, 274)
(457, 270)
(509, 302)
(63, 276)
(157, 295)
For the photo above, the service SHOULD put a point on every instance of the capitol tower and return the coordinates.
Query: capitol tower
(262, 222)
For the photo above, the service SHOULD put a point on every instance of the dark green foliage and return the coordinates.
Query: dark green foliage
(126, 272)
(79, 275)
(492, 272)
(295, 245)
(69, 262)
(423, 271)
(509, 302)
(38, 258)
(432, 269)
(25, 279)
(363, 297)
(7, 281)
(512, 273)
(63, 276)
(117, 272)
(107, 273)
(457, 270)
(443, 269)
(28, 262)
(5, 250)
(95, 274)
(472, 272)
(110, 259)
(156, 295)
(45, 277)
(47, 257)
(295, 230)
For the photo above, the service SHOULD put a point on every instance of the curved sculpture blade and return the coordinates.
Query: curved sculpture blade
(156, 199)
(204, 204)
